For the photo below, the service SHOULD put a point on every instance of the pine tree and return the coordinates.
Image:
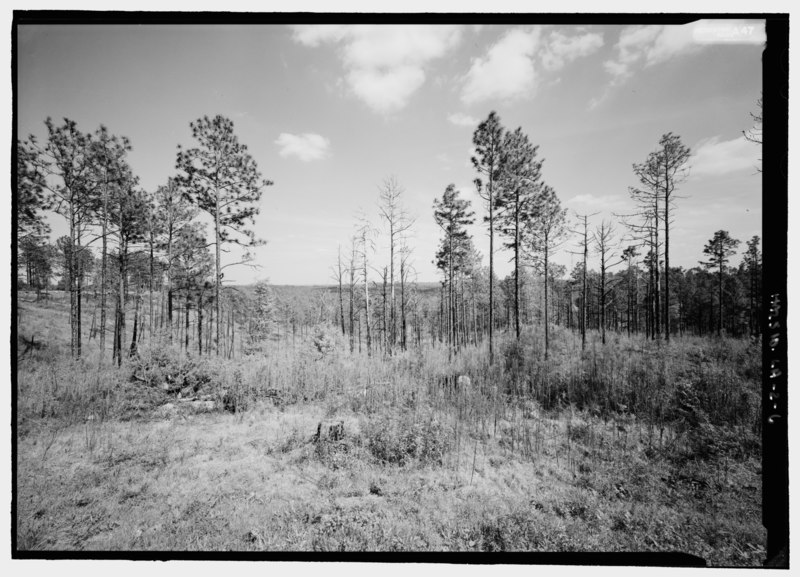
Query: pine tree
(452, 214)
(488, 142)
(518, 201)
(221, 178)
(68, 157)
(109, 168)
(29, 192)
(546, 234)
(719, 249)
(263, 318)
(753, 263)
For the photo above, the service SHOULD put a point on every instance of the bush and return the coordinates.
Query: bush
(323, 341)
(398, 441)
(168, 369)
(707, 442)
(237, 397)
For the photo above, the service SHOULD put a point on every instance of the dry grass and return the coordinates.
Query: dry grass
(573, 454)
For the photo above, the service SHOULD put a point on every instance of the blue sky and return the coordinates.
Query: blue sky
(329, 112)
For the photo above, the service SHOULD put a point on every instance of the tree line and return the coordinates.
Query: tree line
(146, 251)
(646, 296)
(148, 238)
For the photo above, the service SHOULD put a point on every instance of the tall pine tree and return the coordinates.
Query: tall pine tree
(221, 178)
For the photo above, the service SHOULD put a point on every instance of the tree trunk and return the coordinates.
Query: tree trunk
(352, 299)
(452, 315)
(657, 294)
(186, 329)
(103, 267)
(719, 325)
(366, 304)
(516, 272)
(584, 303)
(218, 266)
(73, 306)
(79, 293)
(169, 281)
(392, 304)
(666, 251)
(133, 349)
(546, 311)
(491, 269)
(200, 325)
(341, 298)
(384, 320)
(121, 296)
(603, 295)
(150, 284)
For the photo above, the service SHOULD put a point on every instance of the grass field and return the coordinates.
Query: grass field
(624, 448)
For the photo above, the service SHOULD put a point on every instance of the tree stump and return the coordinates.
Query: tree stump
(329, 432)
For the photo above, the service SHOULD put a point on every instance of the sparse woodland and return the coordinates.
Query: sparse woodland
(611, 407)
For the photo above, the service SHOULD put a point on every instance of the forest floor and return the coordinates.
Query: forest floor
(386, 475)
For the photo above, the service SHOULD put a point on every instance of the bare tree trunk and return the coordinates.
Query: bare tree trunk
(352, 298)
(666, 253)
(657, 295)
(117, 345)
(104, 268)
(133, 348)
(392, 321)
(452, 316)
(719, 325)
(200, 325)
(121, 297)
(402, 305)
(491, 271)
(546, 318)
(150, 284)
(186, 330)
(384, 320)
(218, 278)
(603, 295)
(341, 298)
(584, 303)
(79, 293)
(366, 305)
(516, 272)
(233, 332)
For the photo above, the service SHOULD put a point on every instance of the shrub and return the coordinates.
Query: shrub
(707, 442)
(237, 396)
(399, 440)
(323, 341)
(168, 369)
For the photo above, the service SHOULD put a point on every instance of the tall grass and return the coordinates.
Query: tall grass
(633, 445)
(677, 386)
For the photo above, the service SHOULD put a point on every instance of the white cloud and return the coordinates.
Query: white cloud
(633, 42)
(384, 65)
(671, 42)
(506, 72)
(561, 49)
(460, 119)
(386, 90)
(511, 67)
(306, 147)
(643, 46)
(714, 157)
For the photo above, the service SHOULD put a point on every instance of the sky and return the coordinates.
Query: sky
(330, 112)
